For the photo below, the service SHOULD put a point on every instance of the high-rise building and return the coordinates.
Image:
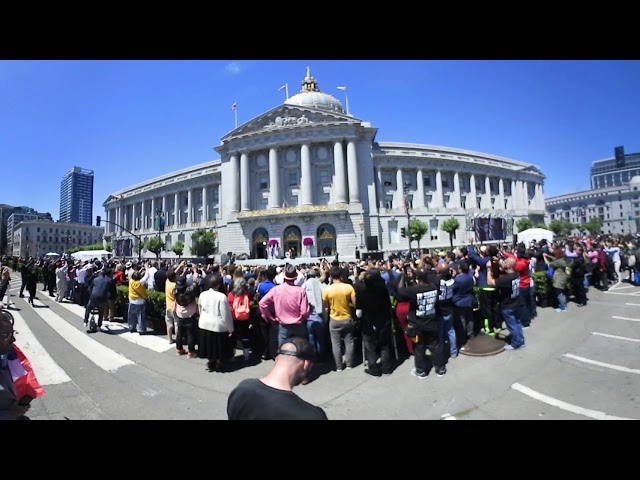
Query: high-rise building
(76, 196)
(615, 171)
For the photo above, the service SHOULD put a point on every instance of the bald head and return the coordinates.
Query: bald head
(509, 264)
(442, 267)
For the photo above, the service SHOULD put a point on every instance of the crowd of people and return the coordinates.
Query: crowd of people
(427, 305)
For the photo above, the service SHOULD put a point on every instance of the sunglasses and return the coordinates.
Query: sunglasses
(5, 336)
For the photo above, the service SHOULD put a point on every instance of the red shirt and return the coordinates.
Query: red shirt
(522, 267)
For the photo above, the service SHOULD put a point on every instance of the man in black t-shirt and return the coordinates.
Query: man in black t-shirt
(508, 285)
(422, 326)
(271, 397)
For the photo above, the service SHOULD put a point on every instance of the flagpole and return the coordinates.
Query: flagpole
(286, 90)
(235, 115)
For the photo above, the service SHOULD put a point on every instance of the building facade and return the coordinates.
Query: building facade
(76, 196)
(35, 238)
(614, 172)
(20, 216)
(11, 216)
(617, 207)
(308, 179)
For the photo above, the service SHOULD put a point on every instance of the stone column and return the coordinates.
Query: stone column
(125, 218)
(438, 195)
(500, 199)
(164, 209)
(455, 201)
(245, 199)
(306, 193)
(143, 223)
(352, 170)
(189, 206)
(118, 219)
(511, 201)
(274, 180)
(487, 192)
(153, 211)
(399, 203)
(418, 198)
(380, 189)
(339, 190)
(472, 200)
(234, 180)
(176, 209)
(205, 210)
(525, 194)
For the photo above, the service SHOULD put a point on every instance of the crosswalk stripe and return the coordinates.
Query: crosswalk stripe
(156, 343)
(95, 351)
(46, 370)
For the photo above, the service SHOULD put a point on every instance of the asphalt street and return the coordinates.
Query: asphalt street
(581, 364)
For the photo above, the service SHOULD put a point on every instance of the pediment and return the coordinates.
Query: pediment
(288, 117)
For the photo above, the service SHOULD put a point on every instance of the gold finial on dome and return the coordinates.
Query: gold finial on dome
(309, 83)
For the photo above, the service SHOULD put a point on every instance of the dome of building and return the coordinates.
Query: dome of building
(311, 96)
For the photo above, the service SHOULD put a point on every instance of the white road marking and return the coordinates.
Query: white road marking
(602, 364)
(564, 405)
(633, 304)
(99, 354)
(616, 337)
(626, 318)
(447, 416)
(152, 342)
(47, 371)
(626, 286)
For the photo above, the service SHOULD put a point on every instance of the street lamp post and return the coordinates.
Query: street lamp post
(406, 211)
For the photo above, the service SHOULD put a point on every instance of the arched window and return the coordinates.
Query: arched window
(292, 239)
(326, 239)
(259, 243)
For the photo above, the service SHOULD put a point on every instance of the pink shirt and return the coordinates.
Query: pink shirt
(290, 304)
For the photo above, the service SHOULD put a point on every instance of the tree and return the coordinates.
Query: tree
(155, 245)
(417, 229)
(178, 248)
(203, 242)
(140, 247)
(450, 226)
(593, 226)
(541, 225)
(108, 247)
(561, 228)
(524, 224)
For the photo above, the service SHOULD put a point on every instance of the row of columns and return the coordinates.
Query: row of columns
(145, 216)
(345, 176)
(519, 198)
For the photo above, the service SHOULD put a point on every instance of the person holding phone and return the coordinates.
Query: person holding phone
(11, 408)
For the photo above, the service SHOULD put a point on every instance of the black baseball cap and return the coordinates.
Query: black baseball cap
(304, 350)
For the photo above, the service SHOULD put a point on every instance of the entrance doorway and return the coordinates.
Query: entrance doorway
(326, 236)
(260, 239)
(292, 241)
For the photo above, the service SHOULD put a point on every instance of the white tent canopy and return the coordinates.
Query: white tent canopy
(90, 254)
(537, 234)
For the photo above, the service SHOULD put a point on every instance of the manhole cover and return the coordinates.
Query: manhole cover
(482, 346)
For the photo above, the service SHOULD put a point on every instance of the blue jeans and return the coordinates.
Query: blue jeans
(562, 298)
(514, 326)
(136, 315)
(446, 331)
(295, 330)
(317, 333)
(525, 306)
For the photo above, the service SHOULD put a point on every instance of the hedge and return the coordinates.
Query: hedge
(155, 307)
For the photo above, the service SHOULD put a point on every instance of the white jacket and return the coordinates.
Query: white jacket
(215, 312)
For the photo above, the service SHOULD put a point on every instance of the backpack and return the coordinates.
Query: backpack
(241, 307)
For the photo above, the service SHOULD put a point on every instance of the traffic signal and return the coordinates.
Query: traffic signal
(403, 232)
(98, 218)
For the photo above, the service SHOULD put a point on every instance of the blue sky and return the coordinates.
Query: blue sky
(132, 120)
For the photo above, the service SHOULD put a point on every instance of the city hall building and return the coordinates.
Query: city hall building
(308, 178)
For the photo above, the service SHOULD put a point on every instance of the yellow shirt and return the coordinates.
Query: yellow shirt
(169, 296)
(338, 296)
(136, 290)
